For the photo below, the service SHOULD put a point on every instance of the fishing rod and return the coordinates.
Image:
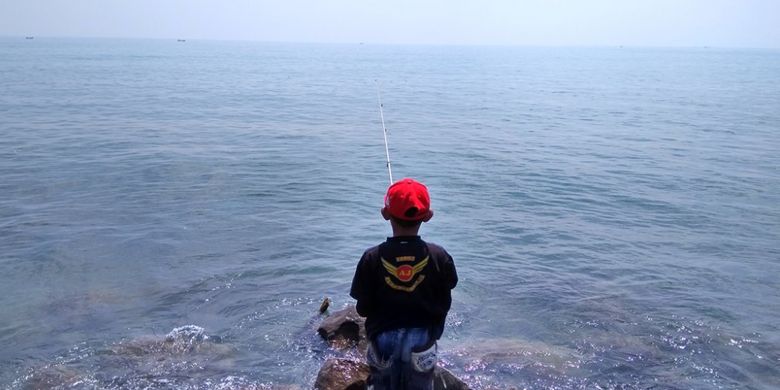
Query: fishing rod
(384, 131)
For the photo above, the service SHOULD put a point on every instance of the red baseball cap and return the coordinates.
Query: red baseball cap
(408, 199)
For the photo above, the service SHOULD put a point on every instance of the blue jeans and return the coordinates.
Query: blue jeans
(402, 359)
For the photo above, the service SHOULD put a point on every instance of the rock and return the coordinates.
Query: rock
(324, 305)
(52, 377)
(344, 328)
(345, 374)
(342, 374)
(187, 339)
(491, 354)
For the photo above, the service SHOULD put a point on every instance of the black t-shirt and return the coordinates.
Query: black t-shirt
(404, 283)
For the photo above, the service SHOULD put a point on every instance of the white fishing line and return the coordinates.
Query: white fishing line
(384, 132)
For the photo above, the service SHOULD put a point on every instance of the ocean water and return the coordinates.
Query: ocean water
(614, 213)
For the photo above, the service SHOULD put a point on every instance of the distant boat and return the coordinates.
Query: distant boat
(181, 40)
(29, 37)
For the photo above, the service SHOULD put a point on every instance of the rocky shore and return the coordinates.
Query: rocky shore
(172, 360)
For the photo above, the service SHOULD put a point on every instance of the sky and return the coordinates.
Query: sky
(714, 23)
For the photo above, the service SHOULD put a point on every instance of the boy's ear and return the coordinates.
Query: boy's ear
(385, 214)
(428, 217)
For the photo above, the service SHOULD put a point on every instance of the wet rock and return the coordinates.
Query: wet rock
(241, 383)
(324, 305)
(51, 377)
(187, 333)
(342, 374)
(344, 328)
(345, 374)
(188, 338)
(185, 339)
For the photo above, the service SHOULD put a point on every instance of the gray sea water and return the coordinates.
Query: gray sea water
(614, 213)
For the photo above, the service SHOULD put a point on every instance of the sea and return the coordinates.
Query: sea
(172, 213)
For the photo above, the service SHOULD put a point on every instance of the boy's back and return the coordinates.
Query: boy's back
(404, 283)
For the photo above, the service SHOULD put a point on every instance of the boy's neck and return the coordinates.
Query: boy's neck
(402, 231)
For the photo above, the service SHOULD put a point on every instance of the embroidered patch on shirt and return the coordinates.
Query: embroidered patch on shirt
(404, 273)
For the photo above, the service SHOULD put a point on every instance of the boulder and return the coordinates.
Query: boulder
(344, 329)
(342, 374)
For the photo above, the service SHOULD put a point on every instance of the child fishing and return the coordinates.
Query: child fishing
(402, 287)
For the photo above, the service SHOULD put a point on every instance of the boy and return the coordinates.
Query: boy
(402, 287)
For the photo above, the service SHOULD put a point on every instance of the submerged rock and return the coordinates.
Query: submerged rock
(189, 337)
(51, 377)
(147, 361)
(182, 340)
(188, 333)
(511, 354)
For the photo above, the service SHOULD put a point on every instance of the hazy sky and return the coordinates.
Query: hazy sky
(723, 23)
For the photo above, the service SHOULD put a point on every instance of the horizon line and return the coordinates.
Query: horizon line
(450, 44)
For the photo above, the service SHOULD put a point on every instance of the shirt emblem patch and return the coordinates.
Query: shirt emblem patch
(404, 273)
